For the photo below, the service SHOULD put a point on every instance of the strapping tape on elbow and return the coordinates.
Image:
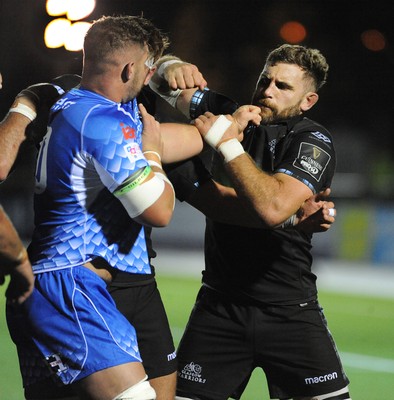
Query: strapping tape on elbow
(140, 197)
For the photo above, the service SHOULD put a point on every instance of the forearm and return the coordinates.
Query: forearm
(181, 141)
(184, 100)
(264, 193)
(221, 203)
(12, 134)
(176, 81)
(12, 250)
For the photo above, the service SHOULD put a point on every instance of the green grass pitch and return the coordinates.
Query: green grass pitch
(363, 328)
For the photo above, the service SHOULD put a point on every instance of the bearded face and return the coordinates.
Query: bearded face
(270, 113)
(279, 92)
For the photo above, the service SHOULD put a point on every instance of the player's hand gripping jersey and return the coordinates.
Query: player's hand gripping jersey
(93, 144)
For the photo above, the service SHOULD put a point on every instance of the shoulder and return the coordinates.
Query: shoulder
(312, 129)
(312, 134)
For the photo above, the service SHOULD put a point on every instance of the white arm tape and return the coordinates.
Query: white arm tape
(231, 149)
(24, 110)
(137, 200)
(153, 163)
(152, 152)
(164, 178)
(165, 64)
(217, 130)
(171, 96)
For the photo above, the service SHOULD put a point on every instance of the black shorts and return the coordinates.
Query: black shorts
(224, 342)
(142, 306)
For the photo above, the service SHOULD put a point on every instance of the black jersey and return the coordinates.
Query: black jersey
(265, 265)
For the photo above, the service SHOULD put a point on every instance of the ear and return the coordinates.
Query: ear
(127, 71)
(309, 101)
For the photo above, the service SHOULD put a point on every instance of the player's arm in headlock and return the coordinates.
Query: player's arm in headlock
(183, 86)
(28, 116)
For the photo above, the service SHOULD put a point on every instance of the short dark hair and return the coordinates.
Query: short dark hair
(310, 60)
(110, 33)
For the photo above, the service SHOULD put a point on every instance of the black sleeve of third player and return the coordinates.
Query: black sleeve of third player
(214, 102)
(187, 176)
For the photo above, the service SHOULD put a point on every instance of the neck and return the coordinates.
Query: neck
(103, 85)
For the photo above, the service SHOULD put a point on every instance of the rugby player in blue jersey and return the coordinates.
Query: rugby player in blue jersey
(97, 186)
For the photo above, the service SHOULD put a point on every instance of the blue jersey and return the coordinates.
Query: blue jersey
(93, 144)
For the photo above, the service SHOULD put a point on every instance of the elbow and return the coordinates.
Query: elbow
(164, 219)
(270, 223)
(155, 218)
(271, 218)
(4, 171)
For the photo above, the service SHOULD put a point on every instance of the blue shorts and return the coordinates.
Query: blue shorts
(70, 328)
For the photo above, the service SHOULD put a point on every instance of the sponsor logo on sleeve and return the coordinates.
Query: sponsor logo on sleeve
(321, 136)
(312, 159)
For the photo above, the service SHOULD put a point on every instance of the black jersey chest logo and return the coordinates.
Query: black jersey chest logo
(312, 160)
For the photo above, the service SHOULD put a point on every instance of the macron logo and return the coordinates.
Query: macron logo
(322, 378)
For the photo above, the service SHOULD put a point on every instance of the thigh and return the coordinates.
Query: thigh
(215, 353)
(110, 382)
(144, 309)
(298, 353)
(137, 304)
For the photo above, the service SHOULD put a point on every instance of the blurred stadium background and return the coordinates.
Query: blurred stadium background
(228, 40)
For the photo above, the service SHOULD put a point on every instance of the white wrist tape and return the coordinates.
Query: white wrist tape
(217, 130)
(165, 64)
(153, 163)
(170, 96)
(24, 110)
(152, 152)
(230, 150)
(138, 199)
(158, 83)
